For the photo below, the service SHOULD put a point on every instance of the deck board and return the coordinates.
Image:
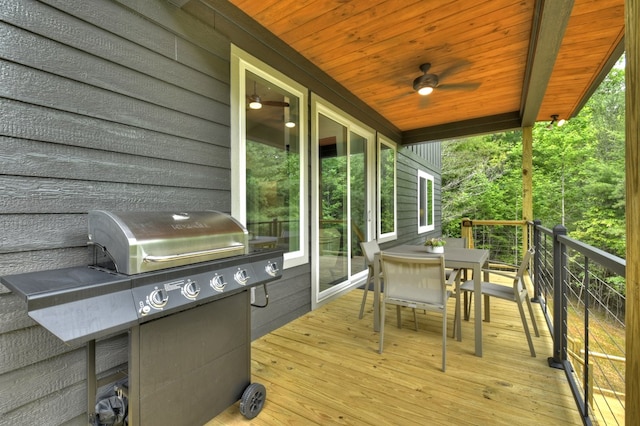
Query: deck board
(324, 368)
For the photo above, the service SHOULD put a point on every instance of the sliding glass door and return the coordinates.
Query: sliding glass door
(343, 179)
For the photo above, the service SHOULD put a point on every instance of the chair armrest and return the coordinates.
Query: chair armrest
(501, 273)
(454, 276)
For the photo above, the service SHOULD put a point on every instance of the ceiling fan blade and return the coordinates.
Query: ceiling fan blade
(275, 103)
(424, 101)
(457, 66)
(467, 87)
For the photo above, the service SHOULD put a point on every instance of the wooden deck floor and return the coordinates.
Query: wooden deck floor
(324, 368)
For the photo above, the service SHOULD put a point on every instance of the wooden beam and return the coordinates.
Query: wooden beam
(632, 158)
(547, 33)
(496, 123)
(527, 173)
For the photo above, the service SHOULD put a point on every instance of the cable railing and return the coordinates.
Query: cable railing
(586, 308)
(581, 291)
(506, 240)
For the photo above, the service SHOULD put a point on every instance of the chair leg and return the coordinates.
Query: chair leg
(382, 316)
(457, 325)
(399, 315)
(533, 318)
(468, 298)
(487, 308)
(526, 327)
(364, 296)
(444, 338)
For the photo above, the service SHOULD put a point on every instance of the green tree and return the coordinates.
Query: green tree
(578, 173)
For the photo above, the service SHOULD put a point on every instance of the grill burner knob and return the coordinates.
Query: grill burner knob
(272, 269)
(191, 289)
(217, 283)
(158, 298)
(241, 276)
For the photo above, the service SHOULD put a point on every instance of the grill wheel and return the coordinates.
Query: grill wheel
(252, 400)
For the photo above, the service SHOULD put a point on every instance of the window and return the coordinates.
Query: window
(269, 157)
(386, 190)
(425, 202)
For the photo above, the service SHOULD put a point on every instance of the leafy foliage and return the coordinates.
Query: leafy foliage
(578, 173)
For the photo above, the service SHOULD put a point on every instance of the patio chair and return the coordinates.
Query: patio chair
(456, 243)
(517, 292)
(453, 277)
(369, 249)
(418, 283)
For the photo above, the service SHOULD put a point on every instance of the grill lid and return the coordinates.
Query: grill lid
(140, 242)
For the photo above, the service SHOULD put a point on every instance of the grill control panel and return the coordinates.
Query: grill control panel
(178, 292)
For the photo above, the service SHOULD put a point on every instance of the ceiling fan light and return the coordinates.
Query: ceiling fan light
(254, 102)
(425, 83)
(425, 90)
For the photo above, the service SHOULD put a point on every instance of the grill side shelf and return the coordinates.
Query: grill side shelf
(76, 304)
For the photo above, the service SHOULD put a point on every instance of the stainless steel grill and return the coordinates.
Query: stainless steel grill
(179, 283)
(140, 242)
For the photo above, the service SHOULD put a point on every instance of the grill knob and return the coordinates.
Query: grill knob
(272, 269)
(241, 276)
(191, 289)
(158, 298)
(217, 283)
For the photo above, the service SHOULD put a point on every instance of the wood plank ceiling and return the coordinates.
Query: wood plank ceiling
(501, 63)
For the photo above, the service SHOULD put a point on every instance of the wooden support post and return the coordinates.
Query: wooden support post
(467, 231)
(527, 182)
(632, 157)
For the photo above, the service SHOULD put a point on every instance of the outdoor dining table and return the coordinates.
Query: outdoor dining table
(455, 258)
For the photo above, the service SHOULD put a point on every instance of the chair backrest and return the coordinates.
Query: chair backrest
(456, 242)
(518, 284)
(370, 248)
(414, 279)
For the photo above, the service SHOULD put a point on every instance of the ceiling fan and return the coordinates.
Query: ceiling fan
(256, 103)
(427, 83)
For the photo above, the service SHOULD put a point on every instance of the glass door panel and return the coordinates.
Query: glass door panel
(333, 228)
(343, 202)
(358, 200)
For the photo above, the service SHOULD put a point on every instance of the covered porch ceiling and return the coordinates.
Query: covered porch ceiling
(501, 64)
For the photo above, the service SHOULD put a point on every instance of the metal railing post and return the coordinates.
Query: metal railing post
(559, 300)
(537, 264)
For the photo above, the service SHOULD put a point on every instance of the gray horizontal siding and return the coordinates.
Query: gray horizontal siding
(31, 122)
(101, 109)
(289, 298)
(45, 89)
(125, 37)
(37, 159)
(411, 159)
(48, 195)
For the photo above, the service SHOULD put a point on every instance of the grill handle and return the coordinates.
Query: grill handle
(191, 255)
